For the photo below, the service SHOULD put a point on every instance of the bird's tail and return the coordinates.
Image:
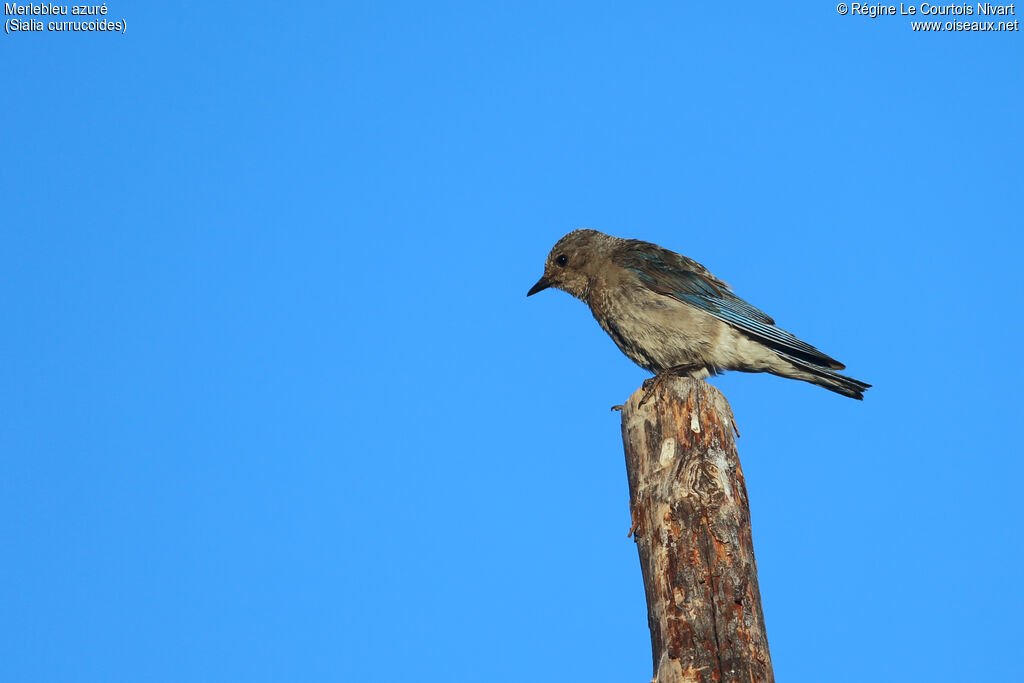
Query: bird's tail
(825, 377)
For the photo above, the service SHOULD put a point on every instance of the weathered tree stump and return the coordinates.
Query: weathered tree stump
(691, 521)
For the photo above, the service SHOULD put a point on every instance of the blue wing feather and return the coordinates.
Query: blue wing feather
(685, 280)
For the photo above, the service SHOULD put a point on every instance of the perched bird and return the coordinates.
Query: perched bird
(670, 315)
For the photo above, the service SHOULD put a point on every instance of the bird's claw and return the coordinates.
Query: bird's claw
(649, 386)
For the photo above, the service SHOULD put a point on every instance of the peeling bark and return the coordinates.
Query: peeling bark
(691, 524)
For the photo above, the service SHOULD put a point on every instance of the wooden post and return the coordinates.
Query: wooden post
(691, 521)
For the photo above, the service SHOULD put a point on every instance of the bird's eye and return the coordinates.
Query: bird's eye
(562, 259)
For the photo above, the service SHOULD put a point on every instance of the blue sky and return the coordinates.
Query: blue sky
(276, 407)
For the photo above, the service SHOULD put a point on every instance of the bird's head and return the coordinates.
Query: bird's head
(573, 261)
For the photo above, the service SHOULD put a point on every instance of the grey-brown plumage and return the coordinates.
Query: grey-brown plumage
(669, 314)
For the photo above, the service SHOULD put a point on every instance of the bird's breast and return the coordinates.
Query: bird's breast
(655, 331)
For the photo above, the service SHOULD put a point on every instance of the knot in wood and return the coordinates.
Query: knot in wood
(704, 480)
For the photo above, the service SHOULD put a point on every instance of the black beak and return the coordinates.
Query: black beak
(541, 285)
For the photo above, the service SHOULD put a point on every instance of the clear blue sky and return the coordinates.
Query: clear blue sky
(275, 406)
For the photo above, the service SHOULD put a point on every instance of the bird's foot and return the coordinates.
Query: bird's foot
(651, 384)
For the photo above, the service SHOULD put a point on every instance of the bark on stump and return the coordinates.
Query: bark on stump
(691, 521)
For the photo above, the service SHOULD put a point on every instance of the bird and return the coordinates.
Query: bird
(671, 316)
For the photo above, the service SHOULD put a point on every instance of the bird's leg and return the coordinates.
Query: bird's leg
(651, 384)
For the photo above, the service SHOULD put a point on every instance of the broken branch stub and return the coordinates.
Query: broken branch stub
(691, 523)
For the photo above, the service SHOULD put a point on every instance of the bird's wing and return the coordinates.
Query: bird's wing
(685, 280)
